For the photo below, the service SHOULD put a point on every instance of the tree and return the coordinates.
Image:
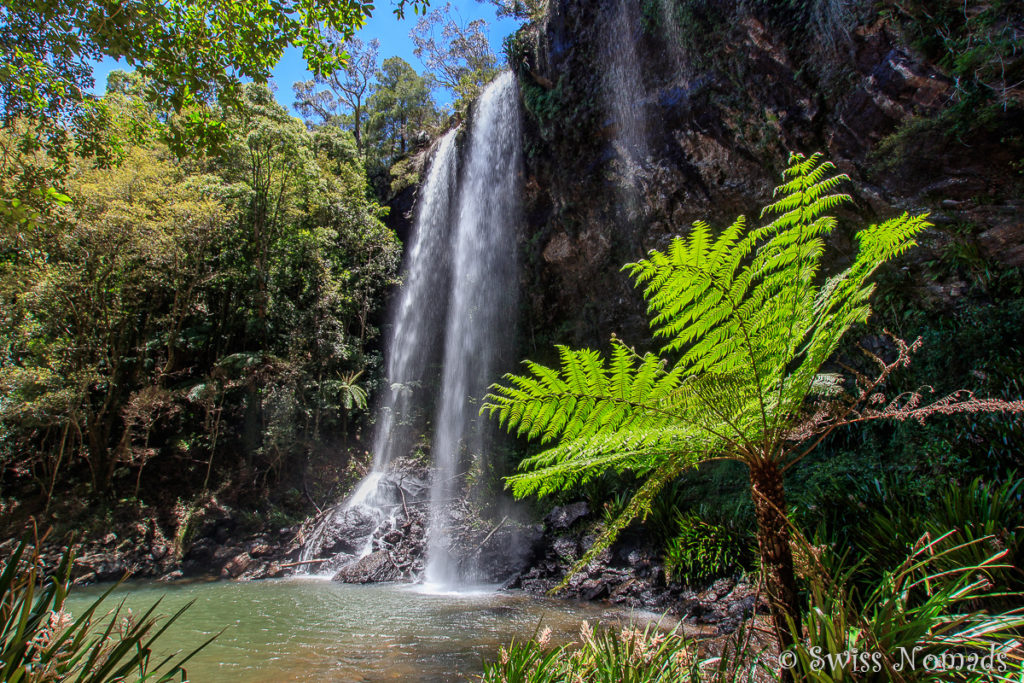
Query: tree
(271, 153)
(349, 88)
(173, 298)
(460, 59)
(530, 10)
(98, 296)
(400, 106)
(747, 329)
(188, 53)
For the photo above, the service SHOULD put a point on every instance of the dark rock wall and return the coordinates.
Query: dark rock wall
(727, 92)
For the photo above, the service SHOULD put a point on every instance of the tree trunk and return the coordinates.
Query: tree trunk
(357, 114)
(776, 554)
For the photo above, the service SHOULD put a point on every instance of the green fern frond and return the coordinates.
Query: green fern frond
(638, 506)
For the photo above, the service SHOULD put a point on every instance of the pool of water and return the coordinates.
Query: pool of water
(304, 629)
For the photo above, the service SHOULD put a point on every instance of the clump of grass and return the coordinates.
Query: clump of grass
(626, 655)
(988, 518)
(922, 611)
(41, 641)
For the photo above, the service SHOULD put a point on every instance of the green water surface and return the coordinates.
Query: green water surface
(304, 629)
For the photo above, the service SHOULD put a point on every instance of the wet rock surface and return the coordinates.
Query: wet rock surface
(217, 547)
(718, 127)
(388, 519)
(631, 575)
(396, 553)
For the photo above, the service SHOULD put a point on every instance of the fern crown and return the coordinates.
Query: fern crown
(746, 322)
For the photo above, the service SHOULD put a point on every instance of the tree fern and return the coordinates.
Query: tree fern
(746, 322)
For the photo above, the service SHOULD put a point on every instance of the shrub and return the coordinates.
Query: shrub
(703, 550)
(629, 655)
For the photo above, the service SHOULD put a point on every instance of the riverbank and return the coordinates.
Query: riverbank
(219, 543)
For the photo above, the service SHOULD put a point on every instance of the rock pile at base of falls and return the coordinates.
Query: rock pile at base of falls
(397, 552)
(384, 537)
(388, 518)
(488, 552)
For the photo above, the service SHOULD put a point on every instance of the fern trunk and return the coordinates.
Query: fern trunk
(776, 553)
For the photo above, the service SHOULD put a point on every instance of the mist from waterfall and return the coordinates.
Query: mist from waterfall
(624, 84)
(480, 313)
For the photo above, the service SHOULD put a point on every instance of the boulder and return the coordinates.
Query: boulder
(348, 531)
(236, 566)
(374, 568)
(564, 516)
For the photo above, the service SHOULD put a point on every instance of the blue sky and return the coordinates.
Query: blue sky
(392, 33)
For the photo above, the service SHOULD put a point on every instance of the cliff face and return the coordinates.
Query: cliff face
(645, 115)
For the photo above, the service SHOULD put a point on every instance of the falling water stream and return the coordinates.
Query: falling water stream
(455, 307)
(413, 343)
(480, 314)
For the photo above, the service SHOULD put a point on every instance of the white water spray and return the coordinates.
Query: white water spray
(456, 306)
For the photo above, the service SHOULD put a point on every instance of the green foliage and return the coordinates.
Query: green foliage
(348, 89)
(630, 655)
(747, 327)
(986, 519)
(854, 472)
(529, 10)
(545, 105)
(703, 550)
(400, 107)
(614, 505)
(39, 641)
(351, 394)
(977, 43)
(856, 628)
(460, 57)
(188, 54)
(177, 308)
(921, 608)
(978, 46)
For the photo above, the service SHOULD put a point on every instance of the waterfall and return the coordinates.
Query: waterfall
(416, 326)
(456, 306)
(480, 314)
(624, 84)
(412, 345)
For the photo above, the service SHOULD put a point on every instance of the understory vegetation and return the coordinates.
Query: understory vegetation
(908, 624)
